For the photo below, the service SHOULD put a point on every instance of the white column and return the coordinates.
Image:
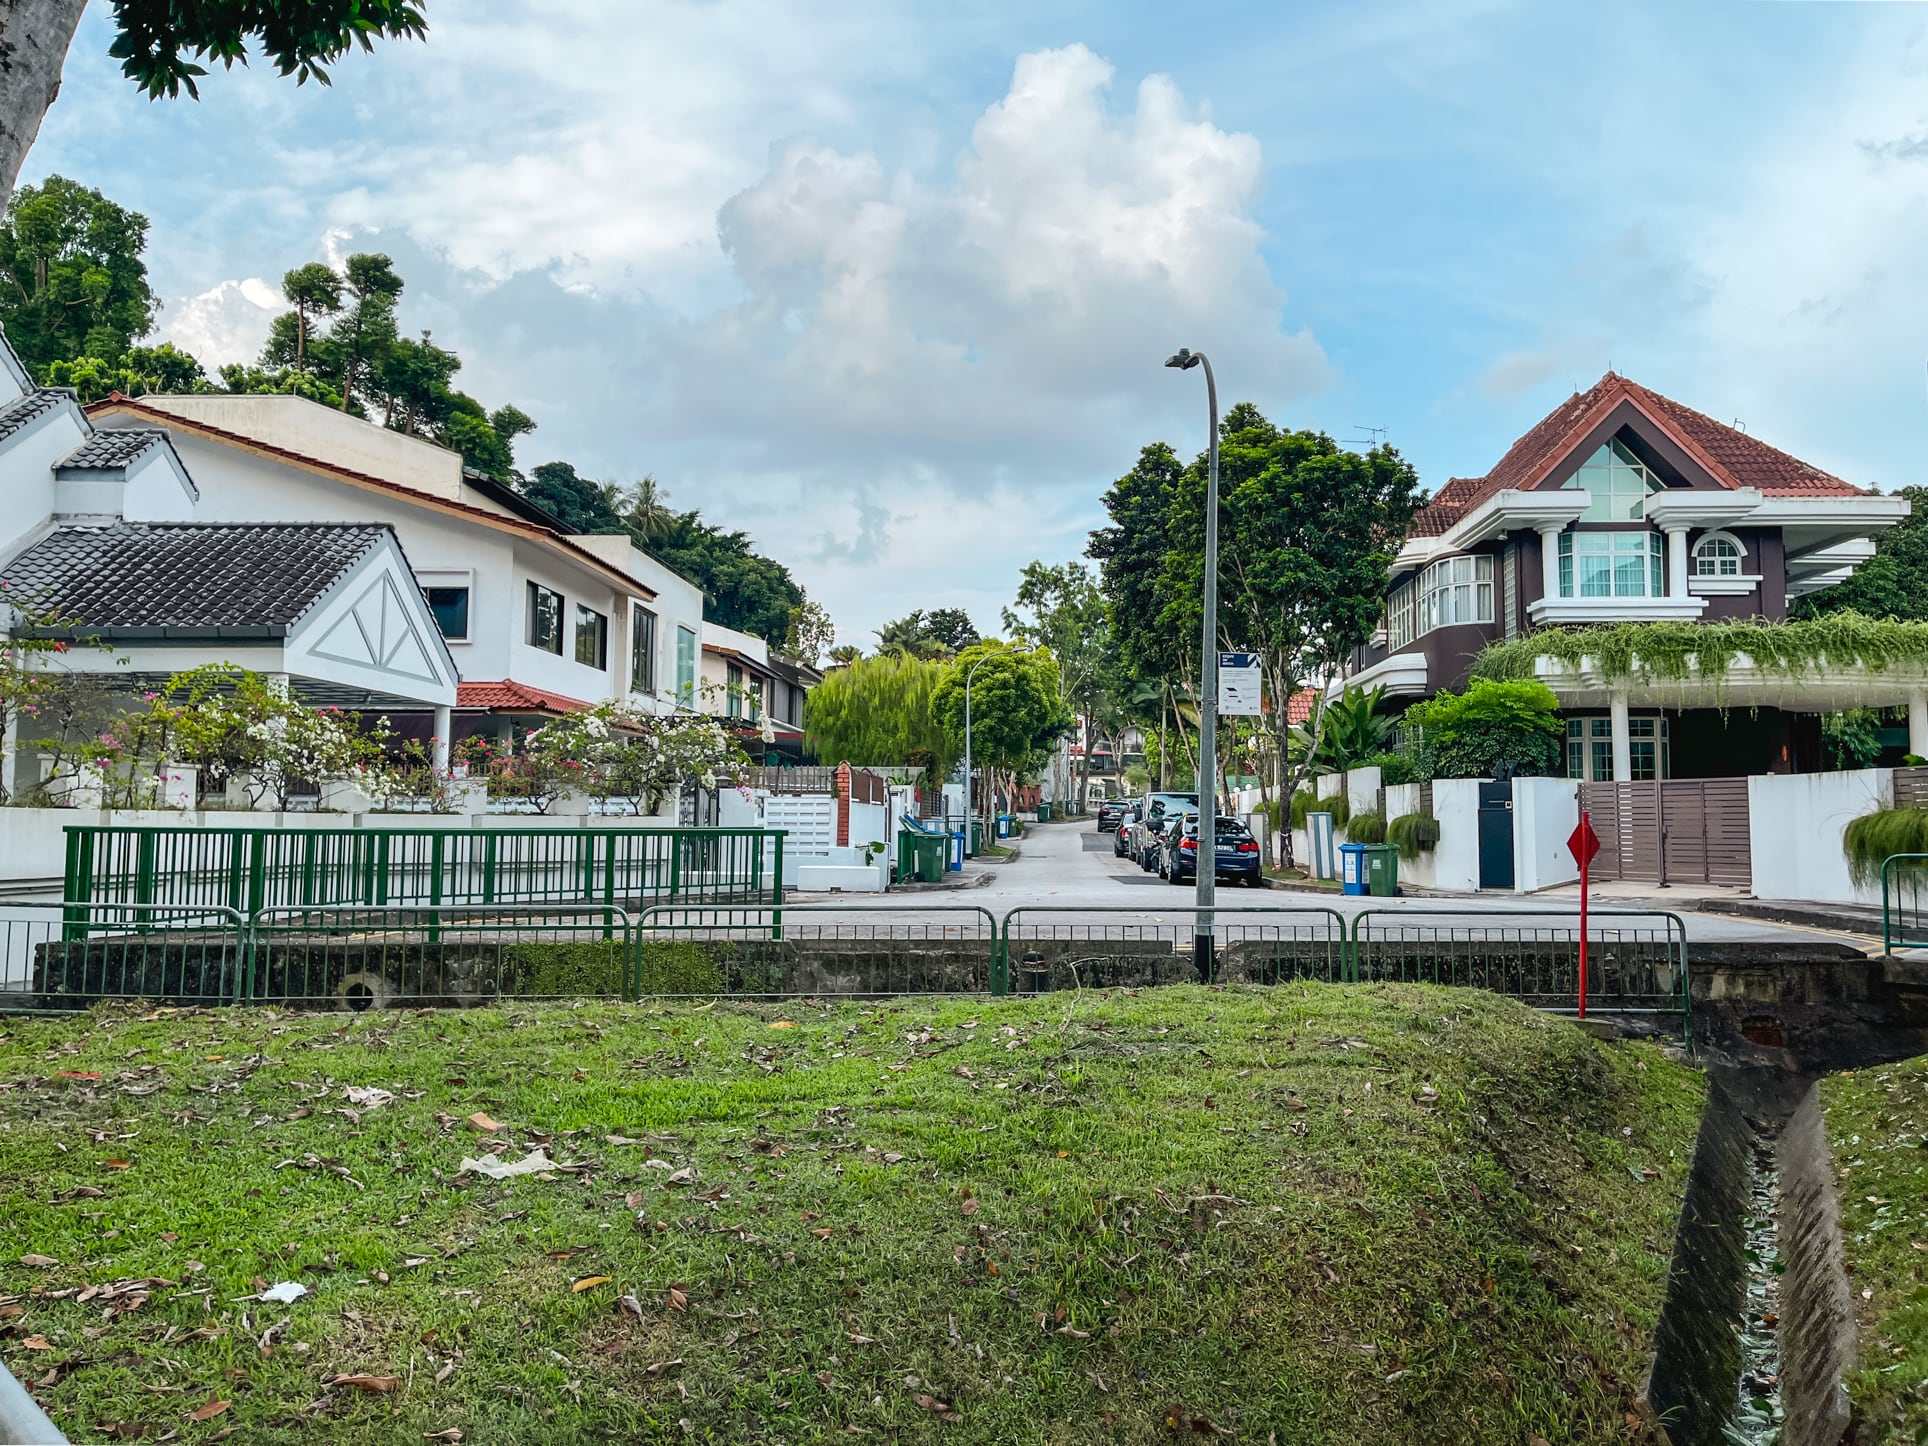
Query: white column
(1677, 561)
(1622, 739)
(1918, 722)
(1550, 559)
(444, 721)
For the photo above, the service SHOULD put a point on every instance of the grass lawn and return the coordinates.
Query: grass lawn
(1386, 1214)
(1878, 1128)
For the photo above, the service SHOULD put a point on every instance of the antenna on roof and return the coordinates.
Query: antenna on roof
(1372, 437)
(1739, 425)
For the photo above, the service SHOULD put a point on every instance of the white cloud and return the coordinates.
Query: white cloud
(227, 323)
(909, 371)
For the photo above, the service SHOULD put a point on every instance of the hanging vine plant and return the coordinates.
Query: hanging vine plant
(1676, 652)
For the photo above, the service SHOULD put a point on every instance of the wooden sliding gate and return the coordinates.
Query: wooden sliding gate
(1674, 831)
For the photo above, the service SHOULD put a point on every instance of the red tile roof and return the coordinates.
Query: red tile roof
(511, 697)
(1730, 456)
(1298, 708)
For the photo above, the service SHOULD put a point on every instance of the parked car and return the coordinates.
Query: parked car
(1121, 835)
(1152, 809)
(1111, 813)
(1160, 839)
(1236, 852)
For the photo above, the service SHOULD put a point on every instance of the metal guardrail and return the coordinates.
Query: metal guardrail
(70, 955)
(1904, 902)
(808, 950)
(1636, 964)
(1049, 947)
(252, 869)
(22, 1422)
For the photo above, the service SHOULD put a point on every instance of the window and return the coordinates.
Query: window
(1717, 555)
(753, 693)
(545, 619)
(1616, 483)
(642, 651)
(733, 690)
(1612, 564)
(686, 667)
(592, 637)
(1456, 590)
(1399, 616)
(1589, 744)
(451, 608)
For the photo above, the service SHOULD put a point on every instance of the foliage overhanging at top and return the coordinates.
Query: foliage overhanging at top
(1677, 651)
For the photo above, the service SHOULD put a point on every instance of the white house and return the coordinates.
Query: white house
(538, 622)
(759, 694)
(107, 537)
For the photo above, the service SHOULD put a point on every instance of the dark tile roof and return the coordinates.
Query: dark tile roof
(1731, 456)
(187, 575)
(37, 403)
(107, 450)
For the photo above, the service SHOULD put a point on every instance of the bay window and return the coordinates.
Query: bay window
(1612, 564)
(1456, 590)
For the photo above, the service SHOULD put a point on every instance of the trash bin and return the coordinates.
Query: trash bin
(957, 851)
(1004, 825)
(906, 856)
(1044, 813)
(977, 836)
(930, 858)
(1352, 868)
(1382, 870)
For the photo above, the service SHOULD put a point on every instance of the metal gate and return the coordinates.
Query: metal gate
(1672, 831)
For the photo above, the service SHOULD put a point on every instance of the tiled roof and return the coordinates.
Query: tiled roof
(36, 403)
(111, 449)
(188, 575)
(1732, 457)
(1298, 708)
(511, 697)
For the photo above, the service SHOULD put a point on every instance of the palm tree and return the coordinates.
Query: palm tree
(843, 655)
(643, 507)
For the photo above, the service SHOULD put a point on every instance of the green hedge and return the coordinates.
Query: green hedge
(1366, 828)
(594, 967)
(1875, 837)
(1413, 834)
(1307, 800)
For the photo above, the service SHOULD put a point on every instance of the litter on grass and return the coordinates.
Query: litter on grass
(502, 1170)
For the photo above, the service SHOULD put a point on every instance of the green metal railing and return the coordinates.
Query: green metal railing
(252, 869)
(809, 950)
(179, 954)
(1045, 947)
(1904, 902)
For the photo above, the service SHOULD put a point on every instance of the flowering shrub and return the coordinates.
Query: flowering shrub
(235, 724)
(613, 752)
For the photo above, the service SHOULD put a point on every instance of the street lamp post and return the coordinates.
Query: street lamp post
(970, 673)
(1202, 928)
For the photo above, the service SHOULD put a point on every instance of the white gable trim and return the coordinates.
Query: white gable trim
(373, 630)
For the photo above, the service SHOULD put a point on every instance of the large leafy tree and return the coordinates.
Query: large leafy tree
(742, 589)
(879, 710)
(812, 632)
(1891, 584)
(939, 633)
(160, 43)
(72, 281)
(314, 291)
(1017, 711)
(364, 334)
(142, 369)
(570, 498)
(1063, 609)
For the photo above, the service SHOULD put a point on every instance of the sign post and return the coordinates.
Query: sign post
(1240, 685)
(1583, 843)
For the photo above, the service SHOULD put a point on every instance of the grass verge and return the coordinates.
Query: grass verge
(1878, 1130)
(1385, 1214)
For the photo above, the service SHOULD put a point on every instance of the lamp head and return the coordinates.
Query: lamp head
(1183, 359)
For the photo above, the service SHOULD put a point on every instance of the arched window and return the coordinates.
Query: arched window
(1718, 555)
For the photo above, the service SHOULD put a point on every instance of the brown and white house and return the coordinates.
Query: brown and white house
(1624, 505)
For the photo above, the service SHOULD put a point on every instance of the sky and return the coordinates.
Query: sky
(890, 289)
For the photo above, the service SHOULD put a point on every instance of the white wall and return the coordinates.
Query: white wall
(678, 602)
(1545, 813)
(26, 473)
(870, 823)
(1362, 789)
(1456, 857)
(1795, 824)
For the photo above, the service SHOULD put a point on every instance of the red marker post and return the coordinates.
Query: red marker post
(1583, 843)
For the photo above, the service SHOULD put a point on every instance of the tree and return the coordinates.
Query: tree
(365, 332)
(1068, 615)
(1017, 711)
(811, 631)
(284, 382)
(941, 633)
(845, 654)
(879, 710)
(141, 370)
(314, 291)
(742, 589)
(157, 42)
(569, 497)
(72, 281)
(1493, 729)
(643, 508)
(1891, 584)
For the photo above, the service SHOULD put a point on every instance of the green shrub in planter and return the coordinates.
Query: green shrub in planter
(1875, 837)
(1394, 768)
(1413, 834)
(1307, 800)
(1366, 828)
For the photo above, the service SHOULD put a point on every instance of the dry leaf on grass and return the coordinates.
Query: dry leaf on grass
(676, 1299)
(45, 1262)
(117, 1164)
(209, 1410)
(37, 1343)
(482, 1123)
(367, 1097)
(454, 1433)
(376, 1385)
(589, 1282)
(783, 1024)
(661, 1368)
(939, 1408)
(969, 1207)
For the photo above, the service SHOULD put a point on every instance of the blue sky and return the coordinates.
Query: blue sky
(891, 291)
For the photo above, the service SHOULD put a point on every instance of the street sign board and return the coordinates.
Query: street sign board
(1240, 688)
(1583, 843)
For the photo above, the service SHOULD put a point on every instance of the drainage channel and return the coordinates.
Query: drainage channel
(1757, 1416)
